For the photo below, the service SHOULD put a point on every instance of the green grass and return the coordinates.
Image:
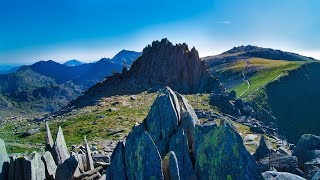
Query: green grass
(98, 123)
(268, 71)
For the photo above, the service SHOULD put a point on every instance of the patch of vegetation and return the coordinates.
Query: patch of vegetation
(266, 72)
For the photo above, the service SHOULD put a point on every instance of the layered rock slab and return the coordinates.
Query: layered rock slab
(170, 167)
(220, 154)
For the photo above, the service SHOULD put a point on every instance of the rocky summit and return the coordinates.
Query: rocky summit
(161, 64)
(172, 143)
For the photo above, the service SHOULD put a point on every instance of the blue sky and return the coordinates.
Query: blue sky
(90, 29)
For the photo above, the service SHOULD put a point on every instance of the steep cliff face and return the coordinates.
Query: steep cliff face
(294, 101)
(161, 64)
(175, 66)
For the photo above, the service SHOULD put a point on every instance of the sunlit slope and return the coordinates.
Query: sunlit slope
(257, 72)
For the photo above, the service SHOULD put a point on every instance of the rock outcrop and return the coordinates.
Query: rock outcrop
(215, 152)
(170, 167)
(66, 169)
(4, 161)
(148, 159)
(33, 167)
(273, 175)
(262, 150)
(161, 64)
(50, 165)
(117, 169)
(280, 162)
(220, 154)
(163, 119)
(308, 154)
(179, 145)
(49, 139)
(60, 151)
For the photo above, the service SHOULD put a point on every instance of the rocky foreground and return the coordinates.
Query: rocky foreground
(170, 143)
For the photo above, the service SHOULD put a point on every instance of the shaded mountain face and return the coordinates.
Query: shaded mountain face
(126, 56)
(294, 100)
(73, 62)
(161, 64)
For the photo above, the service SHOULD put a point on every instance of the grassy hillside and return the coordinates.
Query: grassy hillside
(110, 120)
(258, 72)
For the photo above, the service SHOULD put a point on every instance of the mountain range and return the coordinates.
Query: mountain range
(46, 86)
(187, 116)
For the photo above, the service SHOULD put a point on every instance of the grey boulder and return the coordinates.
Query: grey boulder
(281, 162)
(50, 165)
(262, 150)
(60, 151)
(163, 119)
(66, 170)
(117, 169)
(148, 159)
(33, 167)
(273, 175)
(4, 161)
(220, 154)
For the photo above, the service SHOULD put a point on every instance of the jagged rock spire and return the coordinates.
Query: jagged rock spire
(4, 160)
(60, 151)
(49, 138)
(163, 119)
(117, 169)
(89, 160)
(262, 150)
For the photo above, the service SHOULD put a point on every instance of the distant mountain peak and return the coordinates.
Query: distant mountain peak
(126, 55)
(266, 53)
(73, 62)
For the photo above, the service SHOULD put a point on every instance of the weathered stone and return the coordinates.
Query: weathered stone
(12, 172)
(307, 150)
(316, 176)
(281, 162)
(49, 139)
(81, 159)
(170, 167)
(175, 66)
(18, 169)
(188, 119)
(117, 169)
(163, 119)
(262, 150)
(311, 172)
(89, 174)
(89, 166)
(179, 145)
(283, 150)
(273, 175)
(60, 151)
(50, 165)
(4, 161)
(130, 149)
(65, 171)
(148, 159)
(33, 167)
(220, 154)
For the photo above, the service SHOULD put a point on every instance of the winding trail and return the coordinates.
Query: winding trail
(245, 78)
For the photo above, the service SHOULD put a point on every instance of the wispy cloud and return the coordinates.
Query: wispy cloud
(223, 22)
